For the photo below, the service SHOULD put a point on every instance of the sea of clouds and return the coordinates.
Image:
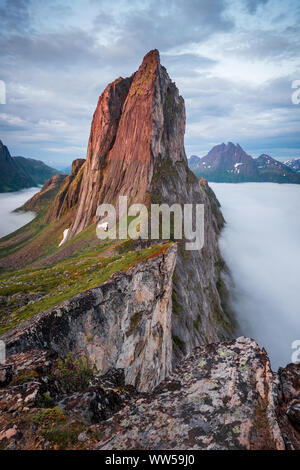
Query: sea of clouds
(260, 244)
(11, 221)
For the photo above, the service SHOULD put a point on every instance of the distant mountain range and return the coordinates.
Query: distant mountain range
(19, 172)
(294, 164)
(230, 163)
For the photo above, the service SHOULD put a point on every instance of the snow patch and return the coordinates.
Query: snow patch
(65, 234)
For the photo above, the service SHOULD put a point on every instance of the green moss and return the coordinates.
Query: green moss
(49, 416)
(178, 342)
(53, 426)
(63, 436)
(134, 322)
(197, 322)
(73, 374)
(45, 401)
(61, 281)
(24, 377)
(176, 307)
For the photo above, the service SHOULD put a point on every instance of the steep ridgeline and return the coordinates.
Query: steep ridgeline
(12, 177)
(41, 199)
(294, 164)
(18, 172)
(230, 163)
(136, 148)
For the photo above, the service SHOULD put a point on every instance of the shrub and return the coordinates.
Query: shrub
(74, 374)
(63, 436)
(45, 401)
(49, 416)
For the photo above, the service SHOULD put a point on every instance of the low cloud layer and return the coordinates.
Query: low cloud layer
(11, 221)
(261, 247)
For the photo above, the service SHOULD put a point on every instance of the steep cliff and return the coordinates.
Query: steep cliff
(125, 322)
(136, 148)
(68, 194)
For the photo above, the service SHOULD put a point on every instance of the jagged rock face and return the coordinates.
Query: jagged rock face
(135, 121)
(124, 323)
(136, 148)
(222, 397)
(68, 195)
(45, 195)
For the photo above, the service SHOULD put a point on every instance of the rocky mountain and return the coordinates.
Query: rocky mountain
(115, 344)
(19, 172)
(224, 396)
(136, 148)
(36, 169)
(294, 164)
(68, 194)
(12, 177)
(230, 163)
(272, 170)
(46, 195)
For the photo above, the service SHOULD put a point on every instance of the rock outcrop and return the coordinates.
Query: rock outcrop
(223, 397)
(68, 195)
(41, 199)
(124, 323)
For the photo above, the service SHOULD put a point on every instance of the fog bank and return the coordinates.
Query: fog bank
(261, 247)
(11, 221)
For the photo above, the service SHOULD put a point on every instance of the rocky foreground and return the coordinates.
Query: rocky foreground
(224, 396)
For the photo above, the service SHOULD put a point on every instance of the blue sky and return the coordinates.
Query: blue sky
(233, 61)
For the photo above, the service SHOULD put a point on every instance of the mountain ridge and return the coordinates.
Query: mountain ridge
(230, 163)
(19, 172)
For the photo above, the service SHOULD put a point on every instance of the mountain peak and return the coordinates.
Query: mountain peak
(152, 57)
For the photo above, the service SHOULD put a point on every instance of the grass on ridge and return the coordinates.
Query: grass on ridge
(63, 280)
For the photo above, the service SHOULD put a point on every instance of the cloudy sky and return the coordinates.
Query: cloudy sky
(233, 60)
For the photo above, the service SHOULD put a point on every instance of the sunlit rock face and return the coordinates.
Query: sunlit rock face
(136, 149)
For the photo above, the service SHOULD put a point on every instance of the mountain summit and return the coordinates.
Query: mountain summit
(230, 163)
(138, 121)
(19, 172)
